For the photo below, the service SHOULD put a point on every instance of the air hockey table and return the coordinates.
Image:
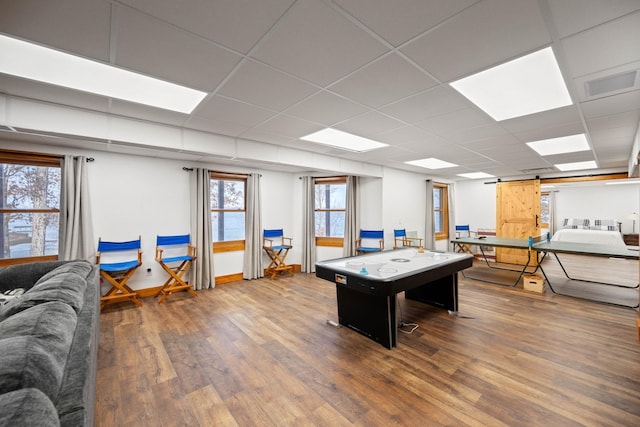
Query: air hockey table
(367, 285)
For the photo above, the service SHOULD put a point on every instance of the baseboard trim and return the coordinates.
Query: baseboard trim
(220, 280)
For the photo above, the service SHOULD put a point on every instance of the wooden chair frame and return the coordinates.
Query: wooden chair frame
(400, 239)
(118, 274)
(278, 253)
(464, 248)
(181, 264)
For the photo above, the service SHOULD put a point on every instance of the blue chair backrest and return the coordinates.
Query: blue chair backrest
(372, 234)
(463, 228)
(183, 239)
(269, 234)
(118, 246)
(400, 233)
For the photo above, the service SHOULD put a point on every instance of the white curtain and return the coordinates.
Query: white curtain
(252, 265)
(75, 240)
(351, 221)
(452, 215)
(308, 225)
(552, 212)
(202, 273)
(429, 233)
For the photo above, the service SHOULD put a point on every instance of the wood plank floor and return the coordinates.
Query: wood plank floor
(260, 353)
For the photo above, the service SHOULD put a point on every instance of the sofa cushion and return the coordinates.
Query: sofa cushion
(35, 345)
(80, 267)
(68, 288)
(25, 275)
(27, 407)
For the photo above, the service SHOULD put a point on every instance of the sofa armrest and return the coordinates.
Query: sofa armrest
(25, 275)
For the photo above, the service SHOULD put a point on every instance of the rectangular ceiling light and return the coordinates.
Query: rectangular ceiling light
(343, 140)
(591, 164)
(34, 62)
(526, 85)
(476, 175)
(563, 144)
(431, 163)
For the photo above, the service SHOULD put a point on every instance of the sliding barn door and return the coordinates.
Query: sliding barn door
(517, 216)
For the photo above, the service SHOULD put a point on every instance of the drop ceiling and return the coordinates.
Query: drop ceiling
(277, 70)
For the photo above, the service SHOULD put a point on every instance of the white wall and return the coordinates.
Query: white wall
(475, 204)
(403, 203)
(598, 202)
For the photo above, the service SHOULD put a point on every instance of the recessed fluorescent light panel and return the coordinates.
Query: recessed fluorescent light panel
(565, 144)
(431, 163)
(343, 140)
(475, 175)
(623, 182)
(34, 62)
(591, 164)
(526, 85)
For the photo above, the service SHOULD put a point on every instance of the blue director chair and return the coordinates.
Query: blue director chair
(277, 252)
(370, 241)
(175, 254)
(118, 262)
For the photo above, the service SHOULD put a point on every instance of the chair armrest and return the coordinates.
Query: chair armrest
(159, 254)
(289, 239)
(264, 242)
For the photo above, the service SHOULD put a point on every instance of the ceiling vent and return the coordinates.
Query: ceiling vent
(615, 83)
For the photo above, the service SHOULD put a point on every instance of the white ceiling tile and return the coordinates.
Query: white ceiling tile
(593, 50)
(483, 35)
(392, 77)
(316, 43)
(568, 115)
(456, 121)
(288, 126)
(75, 26)
(369, 125)
(262, 85)
(160, 50)
(215, 126)
(232, 111)
(629, 101)
(399, 24)
(325, 108)
(573, 16)
(433, 102)
(237, 24)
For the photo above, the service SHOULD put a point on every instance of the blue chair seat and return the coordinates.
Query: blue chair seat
(119, 266)
(178, 258)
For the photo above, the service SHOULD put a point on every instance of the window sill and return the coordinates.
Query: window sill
(230, 246)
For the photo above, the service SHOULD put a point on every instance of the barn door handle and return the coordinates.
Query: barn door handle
(537, 224)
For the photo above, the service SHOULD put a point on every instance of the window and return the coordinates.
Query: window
(330, 204)
(545, 213)
(227, 196)
(441, 211)
(29, 207)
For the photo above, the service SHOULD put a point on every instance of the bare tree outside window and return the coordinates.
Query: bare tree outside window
(330, 202)
(227, 208)
(29, 208)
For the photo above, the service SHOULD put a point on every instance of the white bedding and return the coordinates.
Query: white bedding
(600, 237)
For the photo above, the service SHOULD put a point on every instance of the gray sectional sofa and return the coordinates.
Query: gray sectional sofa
(49, 344)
